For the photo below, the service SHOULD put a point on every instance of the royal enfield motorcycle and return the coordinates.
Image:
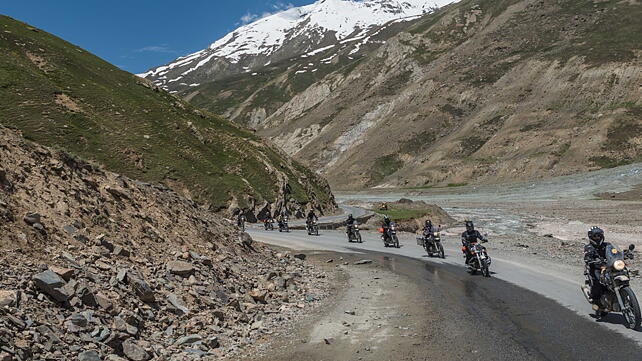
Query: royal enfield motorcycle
(617, 295)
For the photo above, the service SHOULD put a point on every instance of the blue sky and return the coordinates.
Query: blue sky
(139, 34)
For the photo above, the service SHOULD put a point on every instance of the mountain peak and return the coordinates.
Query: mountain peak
(288, 33)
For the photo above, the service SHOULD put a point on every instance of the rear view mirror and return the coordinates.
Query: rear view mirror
(631, 247)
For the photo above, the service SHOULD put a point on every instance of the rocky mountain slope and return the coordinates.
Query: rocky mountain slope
(60, 95)
(98, 266)
(479, 91)
(292, 34)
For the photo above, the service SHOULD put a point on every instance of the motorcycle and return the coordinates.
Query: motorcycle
(618, 295)
(353, 233)
(479, 261)
(313, 228)
(241, 224)
(431, 242)
(269, 224)
(283, 225)
(389, 236)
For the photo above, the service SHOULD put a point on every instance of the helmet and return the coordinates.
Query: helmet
(386, 218)
(596, 236)
(470, 226)
(428, 222)
(350, 216)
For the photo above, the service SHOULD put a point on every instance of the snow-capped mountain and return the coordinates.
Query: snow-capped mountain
(297, 31)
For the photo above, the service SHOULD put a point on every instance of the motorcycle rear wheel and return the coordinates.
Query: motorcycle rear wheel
(632, 308)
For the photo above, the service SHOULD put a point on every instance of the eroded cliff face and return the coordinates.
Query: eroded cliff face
(480, 91)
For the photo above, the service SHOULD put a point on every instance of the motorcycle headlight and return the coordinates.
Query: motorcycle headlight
(619, 265)
(436, 234)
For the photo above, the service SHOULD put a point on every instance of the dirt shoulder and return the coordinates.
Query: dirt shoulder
(370, 314)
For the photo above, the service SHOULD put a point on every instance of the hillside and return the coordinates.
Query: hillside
(479, 91)
(96, 265)
(60, 95)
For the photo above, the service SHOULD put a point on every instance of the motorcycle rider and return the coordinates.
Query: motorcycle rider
(283, 216)
(350, 222)
(268, 219)
(471, 235)
(428, 228)
(240, 220)
(386, 225)
(595, 258)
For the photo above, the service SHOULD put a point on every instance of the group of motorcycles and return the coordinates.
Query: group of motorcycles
(312, 227)
(614, 277)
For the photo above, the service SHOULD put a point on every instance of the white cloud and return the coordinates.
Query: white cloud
(155, 49)
(276, 8)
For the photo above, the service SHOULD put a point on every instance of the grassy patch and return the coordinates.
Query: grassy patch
(455, 185)
(452, 110)
(383, 167)
(417, 143)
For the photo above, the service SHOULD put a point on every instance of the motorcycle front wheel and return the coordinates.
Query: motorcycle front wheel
(631, 309)
(485, 270)
(442, 254)
(396, 241)
(359, 238)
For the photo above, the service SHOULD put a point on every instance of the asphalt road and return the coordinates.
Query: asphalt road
(527, 310)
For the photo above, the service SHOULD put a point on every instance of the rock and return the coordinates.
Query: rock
(189, 339)
(120, 251)
(300, 256)
(259, 296)
(122, 276)
(213, 342)
(548, 235)
(89, 356)
(51, 284)
(69, 229)
(363, 261)
(76, 323)
(104, 302)
(115, 358)
(352, 313)
(180, 268)
(65, 273)
(142, 289)
(8, 298)
(32, 218)
(5, 357)
(177, 303)
(219, 315)
(134, 352)
(245, 239)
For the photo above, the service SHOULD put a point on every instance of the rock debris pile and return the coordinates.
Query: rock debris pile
(96, 266)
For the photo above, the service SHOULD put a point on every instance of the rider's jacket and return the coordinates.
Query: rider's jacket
(469, 237)
(592, 253)
(350, 222)
(312, 216)
(428, 230)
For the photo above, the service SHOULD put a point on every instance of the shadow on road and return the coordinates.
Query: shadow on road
(613, 318)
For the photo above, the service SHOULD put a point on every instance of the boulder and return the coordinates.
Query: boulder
(65, 273)
(177, 303)
(142, 289)
(189, 339)
(134, 352)
(180, 268)
(51, 284)
(8, 298)
(89, 356)
(32, 218)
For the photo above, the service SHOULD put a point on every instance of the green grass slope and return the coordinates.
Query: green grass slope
(60, 95)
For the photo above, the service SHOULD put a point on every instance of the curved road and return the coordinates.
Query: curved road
(532, 307)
